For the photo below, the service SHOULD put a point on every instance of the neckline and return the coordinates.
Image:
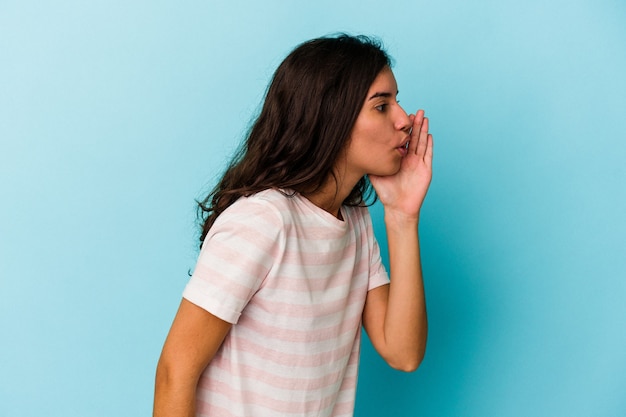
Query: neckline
(323, 214)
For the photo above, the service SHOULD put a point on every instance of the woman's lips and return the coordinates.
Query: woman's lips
(404, 148)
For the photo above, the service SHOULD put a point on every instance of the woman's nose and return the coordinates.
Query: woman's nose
(403, 121)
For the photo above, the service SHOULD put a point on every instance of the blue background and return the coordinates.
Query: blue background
(116, 115)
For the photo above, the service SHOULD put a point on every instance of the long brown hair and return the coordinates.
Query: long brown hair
(309, 110)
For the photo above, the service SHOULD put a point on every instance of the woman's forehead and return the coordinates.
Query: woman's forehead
(384, 84)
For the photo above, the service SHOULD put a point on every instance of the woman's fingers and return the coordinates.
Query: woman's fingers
(415, 130)
(428, 156)
(422, 142)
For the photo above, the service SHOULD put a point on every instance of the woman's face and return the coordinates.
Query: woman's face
(380, 134)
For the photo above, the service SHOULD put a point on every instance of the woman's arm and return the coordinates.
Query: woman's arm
(395, 314)
(193, 339)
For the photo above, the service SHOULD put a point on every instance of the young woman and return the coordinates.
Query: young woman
(289, 269)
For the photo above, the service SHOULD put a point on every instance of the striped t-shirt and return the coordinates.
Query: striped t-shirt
(292, 279)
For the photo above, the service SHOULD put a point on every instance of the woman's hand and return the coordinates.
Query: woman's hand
(403, 193)
(395, 315)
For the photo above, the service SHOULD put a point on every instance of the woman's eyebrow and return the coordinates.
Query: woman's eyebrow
(382, 94)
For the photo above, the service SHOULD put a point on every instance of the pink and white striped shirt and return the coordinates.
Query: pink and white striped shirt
(292, 279)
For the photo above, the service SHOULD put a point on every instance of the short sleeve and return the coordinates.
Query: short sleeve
(377, 273)
(236, 256)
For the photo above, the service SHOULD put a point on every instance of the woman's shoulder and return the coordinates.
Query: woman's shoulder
(283, 207)
(271, 199)
(247, 216)
(272, 196)
(268, 204)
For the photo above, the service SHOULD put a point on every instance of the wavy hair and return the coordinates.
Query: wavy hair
(310, 107)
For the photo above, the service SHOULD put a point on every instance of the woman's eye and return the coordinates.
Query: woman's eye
(381, 107)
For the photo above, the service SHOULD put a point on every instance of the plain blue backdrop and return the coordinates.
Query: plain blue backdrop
(116, 115)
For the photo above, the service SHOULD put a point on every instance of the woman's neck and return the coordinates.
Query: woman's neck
(331, 195)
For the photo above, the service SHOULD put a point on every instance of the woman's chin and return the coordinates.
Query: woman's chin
(386, 172)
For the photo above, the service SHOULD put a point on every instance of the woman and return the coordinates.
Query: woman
(289, 269)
